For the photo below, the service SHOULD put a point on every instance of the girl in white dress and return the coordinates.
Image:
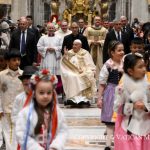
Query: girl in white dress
(41, 125)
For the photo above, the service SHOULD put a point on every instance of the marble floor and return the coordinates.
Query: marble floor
(86, 132)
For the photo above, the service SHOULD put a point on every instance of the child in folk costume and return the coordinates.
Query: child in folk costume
(41, 125)
(110, 75)
(10, 86)
(23, 98)
(132, 103)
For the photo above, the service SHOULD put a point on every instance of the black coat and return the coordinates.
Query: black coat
(31, 48)
(36, 32)
(129, 32)
(112, 36)
(68, 42)
(83, 29)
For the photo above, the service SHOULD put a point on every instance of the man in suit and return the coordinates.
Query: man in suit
(68, 40)
(126, 27)
(115, 34)
(33, 28)
(24, 40)
(82, 26)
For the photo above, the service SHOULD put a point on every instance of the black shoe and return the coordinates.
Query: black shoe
(83, 103)
(107, 148)
(69, 102)
(3, 147)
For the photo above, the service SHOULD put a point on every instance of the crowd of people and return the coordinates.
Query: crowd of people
(107, 62)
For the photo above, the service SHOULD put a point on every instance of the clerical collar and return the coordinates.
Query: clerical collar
(51, 34)
(97, 28)
(75, 35)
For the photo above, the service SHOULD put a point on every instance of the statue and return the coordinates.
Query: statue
(79, 9)
(55, 7)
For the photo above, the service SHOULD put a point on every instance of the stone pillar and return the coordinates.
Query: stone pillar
(19, 8)
(140, 11)
(15, 10)
(62, 7)
(38, 12)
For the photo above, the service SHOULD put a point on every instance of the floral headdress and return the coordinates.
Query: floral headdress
(39, 75)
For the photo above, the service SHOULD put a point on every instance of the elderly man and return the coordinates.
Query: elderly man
(115, 34)
(68, 40)
(126, 27)
(63, 31)
(77, 72)
(49, 47)
(25, 41)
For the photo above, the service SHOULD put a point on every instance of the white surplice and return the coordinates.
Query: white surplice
(50, 59)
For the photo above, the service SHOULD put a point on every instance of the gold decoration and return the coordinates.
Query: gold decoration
(80, 8)
(55, 7)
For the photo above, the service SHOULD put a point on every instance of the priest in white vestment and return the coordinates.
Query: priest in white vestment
(49, 47)
(63, 31)
(78, 75)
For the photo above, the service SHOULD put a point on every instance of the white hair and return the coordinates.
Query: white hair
(77, 41)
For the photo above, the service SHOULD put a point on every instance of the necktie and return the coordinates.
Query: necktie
(80, 31)
(124, 29)
(119, 38)
(23, 44)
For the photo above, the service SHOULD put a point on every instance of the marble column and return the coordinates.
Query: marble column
(15, 10)
(141, 11)
(130, 9)
(38, 12)
(19, 8)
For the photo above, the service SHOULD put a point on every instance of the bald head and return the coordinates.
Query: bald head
(23, 23)
(123, 20)
(74, 28)
(51, 28)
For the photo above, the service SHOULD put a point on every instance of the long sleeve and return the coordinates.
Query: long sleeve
(105, 48)
(58, 48)
(5, 39)
(18, 106)
(61, 134)
(32, 144)
(119, 98)
(41, 47)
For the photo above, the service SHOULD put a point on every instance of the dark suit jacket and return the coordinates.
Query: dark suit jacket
(31, 48)
(36, 32)
(68, 42)
(111, 36)
(82, 30)
(129, 32)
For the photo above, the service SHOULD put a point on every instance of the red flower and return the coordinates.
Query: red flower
(52, 79)
(45, 71)
(37, 78)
